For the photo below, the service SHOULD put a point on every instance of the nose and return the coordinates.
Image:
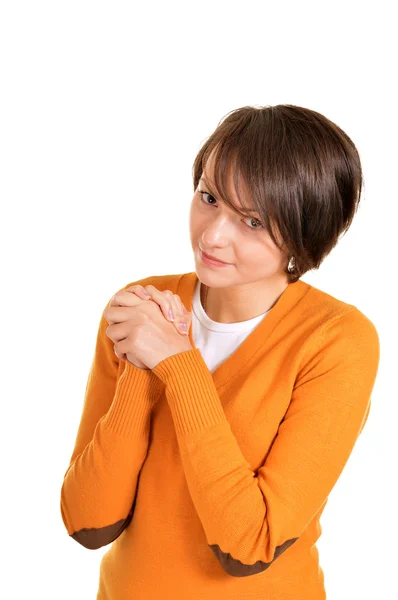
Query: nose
(218, 231)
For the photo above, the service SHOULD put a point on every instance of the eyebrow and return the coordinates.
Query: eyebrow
(246, 209)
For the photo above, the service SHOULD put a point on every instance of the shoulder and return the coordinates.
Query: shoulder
(341, 345)
(345, 328)
(335, 313)
(160, 282)
(334, 327)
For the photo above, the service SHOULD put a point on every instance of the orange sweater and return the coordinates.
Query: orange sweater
(212, 485)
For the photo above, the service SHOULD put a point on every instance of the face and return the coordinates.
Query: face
(236, 239)
(256, 264)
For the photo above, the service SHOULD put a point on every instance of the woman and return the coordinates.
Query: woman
(208, 458)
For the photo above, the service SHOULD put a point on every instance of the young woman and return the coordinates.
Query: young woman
(205, 457)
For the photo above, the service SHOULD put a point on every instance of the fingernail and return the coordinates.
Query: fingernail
(183, 326)
(171, 315)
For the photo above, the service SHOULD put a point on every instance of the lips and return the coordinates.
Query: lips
(213, 257)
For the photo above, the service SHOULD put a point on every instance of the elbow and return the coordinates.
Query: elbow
(91, 538)
(96, 537)
(236, 568)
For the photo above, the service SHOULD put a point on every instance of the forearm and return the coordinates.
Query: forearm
(100, 484)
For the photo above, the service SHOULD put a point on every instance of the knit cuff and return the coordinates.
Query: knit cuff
(136, 393)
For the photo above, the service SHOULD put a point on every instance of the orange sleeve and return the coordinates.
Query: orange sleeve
(250, 518)
(99, 486)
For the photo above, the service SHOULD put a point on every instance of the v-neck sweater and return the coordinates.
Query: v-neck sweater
(211, 485)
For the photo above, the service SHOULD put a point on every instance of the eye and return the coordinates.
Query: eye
(260, 226)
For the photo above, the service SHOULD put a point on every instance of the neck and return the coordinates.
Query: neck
(226, 308)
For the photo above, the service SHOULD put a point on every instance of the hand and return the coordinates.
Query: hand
(140, 331)
(167, 301)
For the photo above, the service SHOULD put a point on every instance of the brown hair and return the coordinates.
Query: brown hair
(302, 172)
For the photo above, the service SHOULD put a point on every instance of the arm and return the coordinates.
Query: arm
(251, 518)
(99, 486)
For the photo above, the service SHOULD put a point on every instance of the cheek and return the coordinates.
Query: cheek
(192, 215)
(195, 225)
(197, 220)
(259, 253)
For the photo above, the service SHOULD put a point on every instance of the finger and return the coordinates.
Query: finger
(118, 314)
(184, 317)
(185, 311)
(140, 291)
(117, 331)
(164, 300)
(121, 356)
(156, 295)
(132, 296)
(128, 297)
(174, 304)
(181, 322)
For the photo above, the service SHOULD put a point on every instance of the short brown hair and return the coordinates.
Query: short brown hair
(301, 170)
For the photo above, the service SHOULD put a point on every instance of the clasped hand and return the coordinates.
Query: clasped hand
(141, 327)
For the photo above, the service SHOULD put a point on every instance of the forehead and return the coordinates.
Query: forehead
(208, 178)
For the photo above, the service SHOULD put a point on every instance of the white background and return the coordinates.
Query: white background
(104, 106)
